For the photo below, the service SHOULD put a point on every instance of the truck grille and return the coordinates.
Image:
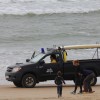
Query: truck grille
(9, 69)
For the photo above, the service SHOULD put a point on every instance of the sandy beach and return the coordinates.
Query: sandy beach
(46, 92)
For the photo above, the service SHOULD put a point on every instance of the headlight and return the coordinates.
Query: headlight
(16, 69)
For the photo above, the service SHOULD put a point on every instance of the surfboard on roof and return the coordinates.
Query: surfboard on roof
(85, 46)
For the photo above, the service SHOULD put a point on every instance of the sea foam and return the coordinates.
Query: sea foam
(23, 7)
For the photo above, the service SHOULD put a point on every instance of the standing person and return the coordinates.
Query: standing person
(64, 53)
(78, 77)
(59, 81)
(87, 81)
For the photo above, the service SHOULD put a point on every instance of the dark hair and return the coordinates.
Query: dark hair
(59, 48)
(53, 56)
(59, 73)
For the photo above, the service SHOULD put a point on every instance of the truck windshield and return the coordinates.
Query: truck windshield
(37, 58)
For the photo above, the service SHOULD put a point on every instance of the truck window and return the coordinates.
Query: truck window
(37, 58)
(47, 59)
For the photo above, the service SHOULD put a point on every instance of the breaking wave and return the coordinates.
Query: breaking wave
(24, 7)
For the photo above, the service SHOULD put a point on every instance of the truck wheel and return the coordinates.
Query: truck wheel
(94, 81)
(17, 84)
(28, 81)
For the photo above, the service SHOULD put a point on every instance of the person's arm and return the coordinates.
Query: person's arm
(63, 80)
(55, 81)
(79, 71)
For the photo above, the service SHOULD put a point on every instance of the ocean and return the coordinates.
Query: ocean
(28, 25)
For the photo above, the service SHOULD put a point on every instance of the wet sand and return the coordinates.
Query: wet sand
(47, 92)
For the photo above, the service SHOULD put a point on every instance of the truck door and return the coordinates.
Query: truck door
(49, 70)
(68, 70)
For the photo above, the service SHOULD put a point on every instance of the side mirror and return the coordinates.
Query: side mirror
(27, 60)
(42, 62)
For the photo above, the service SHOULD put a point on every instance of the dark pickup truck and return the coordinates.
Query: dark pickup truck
(39, 68)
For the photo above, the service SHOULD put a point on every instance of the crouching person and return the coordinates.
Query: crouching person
(87, 81)
(59, 81)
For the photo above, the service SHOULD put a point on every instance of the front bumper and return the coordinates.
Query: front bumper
(13, 76)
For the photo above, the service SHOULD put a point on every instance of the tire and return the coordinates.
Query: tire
(28, 81)
(17, 84)
(94, 81)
